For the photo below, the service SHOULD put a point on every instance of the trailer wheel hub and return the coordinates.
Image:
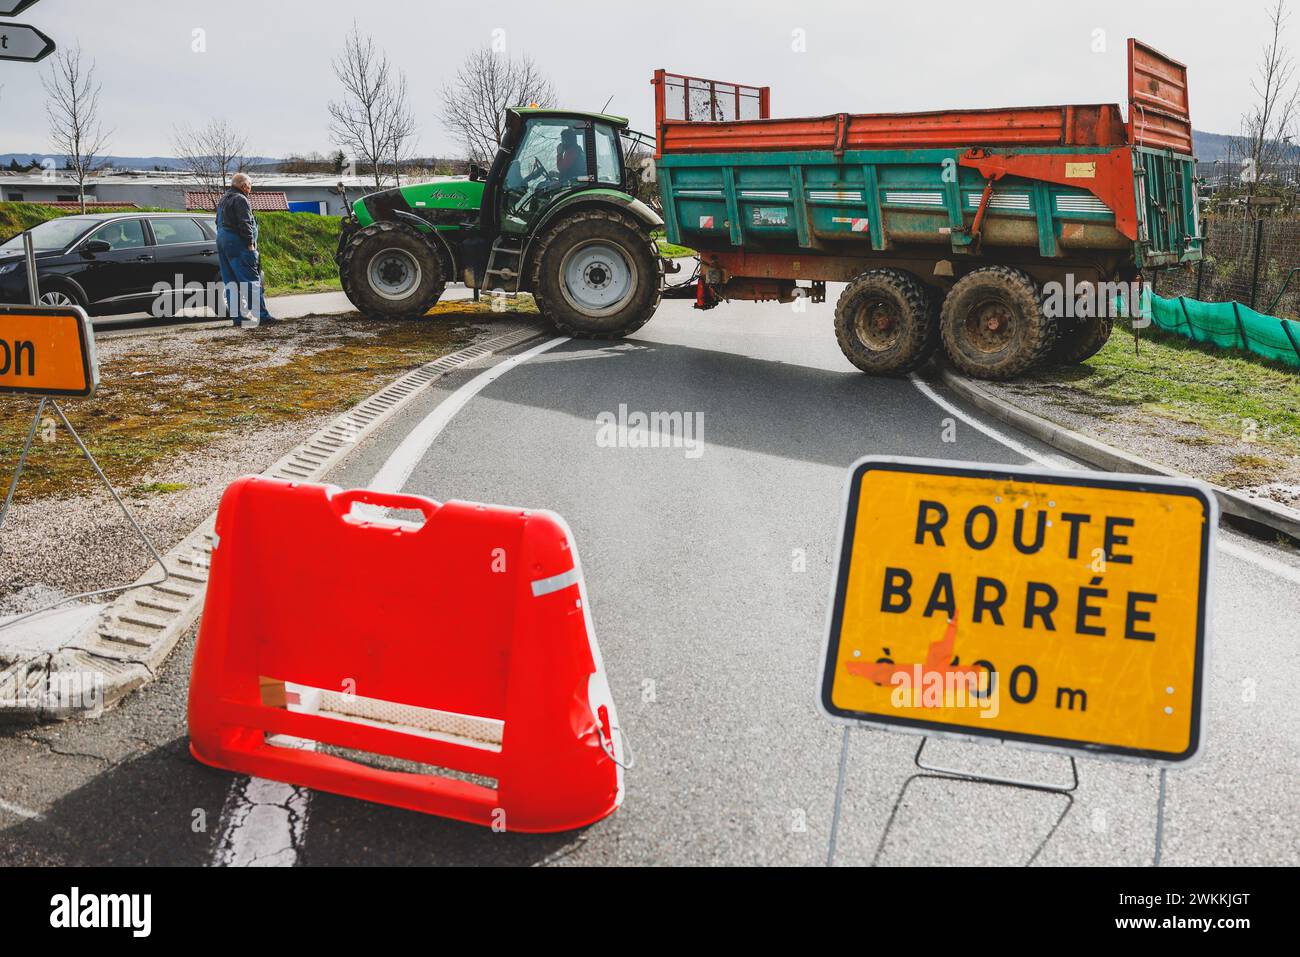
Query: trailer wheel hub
(989, 326)
(877, 324)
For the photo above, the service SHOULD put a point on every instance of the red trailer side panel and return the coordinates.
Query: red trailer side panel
(1158, 114)
(1091, 125)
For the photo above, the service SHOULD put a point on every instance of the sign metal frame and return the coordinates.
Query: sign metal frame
(972, 733)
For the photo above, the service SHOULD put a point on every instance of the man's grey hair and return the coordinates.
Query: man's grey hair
(240, 180)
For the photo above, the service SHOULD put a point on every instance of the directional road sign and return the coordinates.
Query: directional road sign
(23, 43)
(11, 8)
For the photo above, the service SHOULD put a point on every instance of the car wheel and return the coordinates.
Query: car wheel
(60, 296)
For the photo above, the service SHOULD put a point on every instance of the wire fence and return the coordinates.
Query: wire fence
(1254, 261)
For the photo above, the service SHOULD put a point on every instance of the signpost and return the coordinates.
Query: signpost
(1058, 610)
(18, 41)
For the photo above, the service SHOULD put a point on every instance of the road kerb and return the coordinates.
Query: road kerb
(134, 635)
(1103, 456)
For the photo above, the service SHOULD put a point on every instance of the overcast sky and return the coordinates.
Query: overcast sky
(267, 63)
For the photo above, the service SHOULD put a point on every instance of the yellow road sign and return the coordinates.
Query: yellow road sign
(1060, 609)
(47, 350)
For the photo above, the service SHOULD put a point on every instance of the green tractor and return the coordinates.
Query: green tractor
(551, 217)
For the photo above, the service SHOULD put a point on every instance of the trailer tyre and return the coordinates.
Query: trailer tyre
(993, 324)
(389, 271)
(884, 322)
(596, 275)
(1082, 341)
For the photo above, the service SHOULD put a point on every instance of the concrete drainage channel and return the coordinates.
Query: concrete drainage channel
(125, 643)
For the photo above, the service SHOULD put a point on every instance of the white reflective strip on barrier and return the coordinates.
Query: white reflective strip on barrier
(544, 586)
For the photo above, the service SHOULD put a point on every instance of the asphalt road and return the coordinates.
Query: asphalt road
(708, 579)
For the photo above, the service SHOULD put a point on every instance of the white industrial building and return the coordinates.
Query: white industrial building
(166, 190)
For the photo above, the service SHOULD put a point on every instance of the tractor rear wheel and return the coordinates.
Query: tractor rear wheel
(596, 276)
(993, 323)
(390, 271)
(885, 323)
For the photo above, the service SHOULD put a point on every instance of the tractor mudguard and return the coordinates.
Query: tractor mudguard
(586, 198)
(599, 195)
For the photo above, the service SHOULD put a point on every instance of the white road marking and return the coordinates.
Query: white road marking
(265, 822)
(1280, 569)
(1051, 461)
(393, 475)
(21, 811)
(1259, 560)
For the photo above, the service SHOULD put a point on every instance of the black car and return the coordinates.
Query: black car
(112, 262)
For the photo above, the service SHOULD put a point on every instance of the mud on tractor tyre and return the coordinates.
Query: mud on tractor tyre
(1082, 340)
(390, 271)
(993, 324)
(885, 322)
(595, 275)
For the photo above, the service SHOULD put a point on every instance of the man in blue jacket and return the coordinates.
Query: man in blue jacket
(241, 267)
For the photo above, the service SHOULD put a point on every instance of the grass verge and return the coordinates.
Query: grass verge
(670, 250)
(1224, 392)
(157, 400)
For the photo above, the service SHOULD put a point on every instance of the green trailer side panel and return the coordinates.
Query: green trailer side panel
(873, 200)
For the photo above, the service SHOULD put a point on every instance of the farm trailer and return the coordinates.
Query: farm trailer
(945, 225)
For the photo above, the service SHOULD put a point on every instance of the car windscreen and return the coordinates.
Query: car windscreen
(56, 234)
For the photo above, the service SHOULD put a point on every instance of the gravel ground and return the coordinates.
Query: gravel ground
(96, 547)
(1183, 446)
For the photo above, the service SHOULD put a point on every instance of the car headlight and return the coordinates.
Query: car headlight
(6, 269)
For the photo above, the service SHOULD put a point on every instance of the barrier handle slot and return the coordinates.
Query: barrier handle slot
(344, 501)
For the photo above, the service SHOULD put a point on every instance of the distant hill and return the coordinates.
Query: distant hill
(1211, 147)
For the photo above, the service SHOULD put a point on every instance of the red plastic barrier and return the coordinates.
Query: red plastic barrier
(480, 611)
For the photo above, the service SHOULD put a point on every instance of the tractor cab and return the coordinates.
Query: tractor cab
(547, 155)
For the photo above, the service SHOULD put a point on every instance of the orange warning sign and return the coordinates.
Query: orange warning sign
(47, 350)
(1066, 610)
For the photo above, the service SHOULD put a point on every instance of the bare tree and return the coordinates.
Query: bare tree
(211, 154)
(373, 120)
(486, 84)
(73, 111)
(1270, 123)
(401, 127)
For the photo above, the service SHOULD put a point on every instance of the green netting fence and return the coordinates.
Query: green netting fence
(1229, 325)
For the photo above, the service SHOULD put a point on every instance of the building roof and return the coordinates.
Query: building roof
(90, 205)
(262, 202)
(174, 179)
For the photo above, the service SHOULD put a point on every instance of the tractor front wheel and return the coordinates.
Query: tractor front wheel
(596, 276)
(390, 271)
